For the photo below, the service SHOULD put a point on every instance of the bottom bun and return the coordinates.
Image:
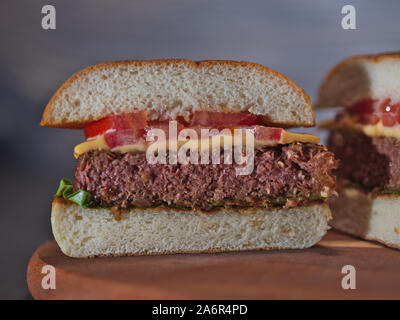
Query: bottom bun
(95, 232)
(371, 218)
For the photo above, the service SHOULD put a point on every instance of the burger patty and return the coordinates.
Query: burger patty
(123, 180)
(371, 162)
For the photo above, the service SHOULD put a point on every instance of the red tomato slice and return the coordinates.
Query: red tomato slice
(396, 107)
(208, 133)
(163, 126)
(384, 107)
(390, 113)
(262, 133)
(371, 111)
(220, 119)
(122, 138)
(125, 129)
(99, 127)
(388, 120)
(366, 106)
(137, 121)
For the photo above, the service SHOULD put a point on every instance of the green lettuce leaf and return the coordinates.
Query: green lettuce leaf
(81, 197)
(395, 192)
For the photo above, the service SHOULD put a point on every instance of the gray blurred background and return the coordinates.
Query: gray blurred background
(300, 38)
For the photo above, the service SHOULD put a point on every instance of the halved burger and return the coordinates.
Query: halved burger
(365, 137)
(122, 204)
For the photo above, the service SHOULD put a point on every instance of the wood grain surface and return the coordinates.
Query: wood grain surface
(313, 273)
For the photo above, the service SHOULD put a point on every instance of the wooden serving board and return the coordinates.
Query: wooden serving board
(313, 273)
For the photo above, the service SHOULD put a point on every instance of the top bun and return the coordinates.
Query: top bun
(360, 77)
(166, 89)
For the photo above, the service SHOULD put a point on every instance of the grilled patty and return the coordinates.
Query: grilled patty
(371, 162)
(122, 180)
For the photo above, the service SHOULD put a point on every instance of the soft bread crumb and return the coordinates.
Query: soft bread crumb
(166, 89)
(162, 231)
(361, 77)
(372, 218)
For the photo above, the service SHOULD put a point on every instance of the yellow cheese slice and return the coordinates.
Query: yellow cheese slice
(371, 130)
(97, 144)
(290, 137)
(225, 140)
(380, 130)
